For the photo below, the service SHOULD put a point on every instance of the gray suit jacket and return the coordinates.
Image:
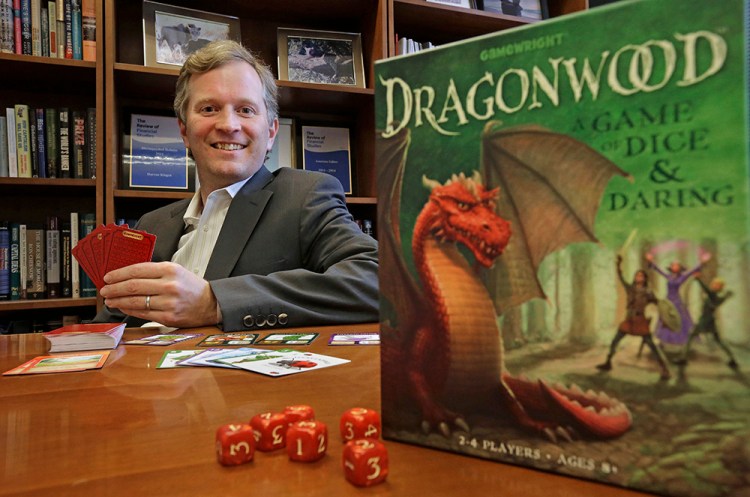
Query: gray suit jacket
(289, 254)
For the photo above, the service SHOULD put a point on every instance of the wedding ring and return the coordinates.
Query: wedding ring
(148, 302)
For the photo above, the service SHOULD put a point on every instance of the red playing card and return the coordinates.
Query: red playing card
(129, 247)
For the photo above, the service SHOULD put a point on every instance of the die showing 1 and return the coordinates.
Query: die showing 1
(365, 462)
(306, 440)
(235, 444)
(359, 422)
(270, 430)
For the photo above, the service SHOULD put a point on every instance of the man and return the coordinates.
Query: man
(252, 248)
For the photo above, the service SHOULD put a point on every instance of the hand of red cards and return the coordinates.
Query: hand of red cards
(112, 247)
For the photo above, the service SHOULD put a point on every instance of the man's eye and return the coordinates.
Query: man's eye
(249, 111)
(207, 109)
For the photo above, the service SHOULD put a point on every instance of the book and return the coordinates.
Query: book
(15, 260)
(89, 170)
(7, 42)
(88, 29)
(44, 18)
(36, 28)
(52, 142)
(41, 140)
(551, 209)
(35, 274)
(10, 118)
(66, 288)
(64, 144)
(75, 269)
(60, 18)
(87, 224)
(4, 261)
(61, 363)
(92, 336)
(67, 29)
(78, 143)
(23, 268)
(23, 140)
(17, 27)
(53, 256)
(25, 23)
(52, 26)
(326, 149)
(4, 165)
(33, 144)
(75, 35)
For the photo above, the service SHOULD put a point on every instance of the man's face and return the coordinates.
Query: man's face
(227, 128)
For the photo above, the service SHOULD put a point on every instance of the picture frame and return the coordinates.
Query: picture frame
(154, 156)
(467, 4)
(525, 9)
(172, 33)
(283, 153)
(324, 57)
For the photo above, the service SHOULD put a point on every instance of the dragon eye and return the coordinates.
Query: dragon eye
(463, 206)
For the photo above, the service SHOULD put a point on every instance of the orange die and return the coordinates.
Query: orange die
(235, 444)
(306, 440)
(270, 430)
(299, 413)
(359, 422)
(365, 462)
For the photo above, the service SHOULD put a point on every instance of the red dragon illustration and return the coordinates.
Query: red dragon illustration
(442, 331)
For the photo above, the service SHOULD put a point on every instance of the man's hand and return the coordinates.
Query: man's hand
(164, 292)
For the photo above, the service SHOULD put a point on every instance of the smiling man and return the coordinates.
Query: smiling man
(252, 248)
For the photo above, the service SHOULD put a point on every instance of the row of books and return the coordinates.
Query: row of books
(64, 29)
(406, 45)
(48, 142)
(36, 262)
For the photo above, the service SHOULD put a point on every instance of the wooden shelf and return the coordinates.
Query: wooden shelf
(25, 305)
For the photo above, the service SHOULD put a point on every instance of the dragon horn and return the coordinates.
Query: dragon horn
(430, 184)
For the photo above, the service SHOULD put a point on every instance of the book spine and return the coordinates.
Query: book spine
(75, 34)
(41, 140)
(35, 275)
(66, 289)
(26, 42)
(4, 167)
(87, 225)
(90, 169)
(4, 261)
(45, 31)
(15, 272)
(17, 27)
(33, 144)
(7, 36)
(23, 145)
(52, 26)
(64, 127)
(10, 117)
(68, 23)
(23, 267)
(52, 238)
(75, 280)
(78, 135)
(88, 29)
(52, 139)
(36, 28)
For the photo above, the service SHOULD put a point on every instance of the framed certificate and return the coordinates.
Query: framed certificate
(154, 155)
(326, 149)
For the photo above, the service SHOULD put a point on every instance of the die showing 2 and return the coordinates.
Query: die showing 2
(359, 422)
(235, 444)
(306, 440)
(270, 430)
(365, 462)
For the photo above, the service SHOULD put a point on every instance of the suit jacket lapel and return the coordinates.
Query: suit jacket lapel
(242, 217)
(170, 233)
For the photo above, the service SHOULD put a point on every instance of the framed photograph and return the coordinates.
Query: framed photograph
(468, 4)
(154, 155)
(172, 33)
(326, 57)
(326, 149)
(529, 9)
(282, 154)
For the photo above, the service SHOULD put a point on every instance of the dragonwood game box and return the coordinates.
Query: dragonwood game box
(563, 226)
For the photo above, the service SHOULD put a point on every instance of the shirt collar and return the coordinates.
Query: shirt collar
(195, 207)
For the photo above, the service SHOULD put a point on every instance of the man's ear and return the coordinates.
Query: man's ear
(272, 131)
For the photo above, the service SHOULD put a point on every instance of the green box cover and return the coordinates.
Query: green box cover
(565, 260)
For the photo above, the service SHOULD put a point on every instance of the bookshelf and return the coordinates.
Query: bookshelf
(132, 85)
(40, 81)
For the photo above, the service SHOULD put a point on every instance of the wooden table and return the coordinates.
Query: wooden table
(132, 430)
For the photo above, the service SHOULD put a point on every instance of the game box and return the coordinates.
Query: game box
(564, 251)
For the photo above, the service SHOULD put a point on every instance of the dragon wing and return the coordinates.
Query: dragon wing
(551, 186)
(402, 300)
